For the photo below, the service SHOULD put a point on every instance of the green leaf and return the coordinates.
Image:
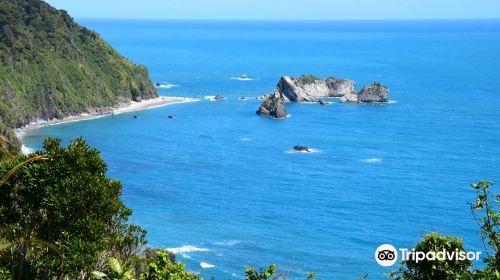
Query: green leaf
(129, 275)
(99, 275)
(115, 265)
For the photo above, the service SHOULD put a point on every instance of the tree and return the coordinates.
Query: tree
(262, 274)
(66, 201)
(162, 267)
(486, 212)
(435, 269)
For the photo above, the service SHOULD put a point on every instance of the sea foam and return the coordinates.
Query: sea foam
(205, 265)
(311, 151)
(166, 85)
(242, 78)
(25, 150)
(186, 249)
(227, 242)
(371, 160)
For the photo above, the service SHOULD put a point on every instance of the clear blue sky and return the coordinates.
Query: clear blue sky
(281, 9)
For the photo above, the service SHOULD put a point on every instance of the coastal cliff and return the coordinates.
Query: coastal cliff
(51, 67)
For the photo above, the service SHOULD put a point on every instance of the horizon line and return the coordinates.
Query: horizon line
(289, 20)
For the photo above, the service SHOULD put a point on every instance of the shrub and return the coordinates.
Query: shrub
(68, 202)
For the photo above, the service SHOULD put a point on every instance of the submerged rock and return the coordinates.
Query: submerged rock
(218, 97)
(323, 102)
(262, 97)
(307, 88)
(273, 107)
(375, 92)
(301, 149)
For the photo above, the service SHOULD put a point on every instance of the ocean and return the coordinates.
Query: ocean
(220, 186)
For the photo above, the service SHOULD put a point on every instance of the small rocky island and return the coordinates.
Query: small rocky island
(301, 149)
(310, 89)
(273, 107)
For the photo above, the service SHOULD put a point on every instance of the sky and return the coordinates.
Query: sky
(281, 9)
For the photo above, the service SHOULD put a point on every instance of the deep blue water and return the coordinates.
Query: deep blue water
(383, 173)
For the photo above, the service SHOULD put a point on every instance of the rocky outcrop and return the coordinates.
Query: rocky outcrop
(307, 88)
(301, 149)
(339, 87)
(310, 89)
(375, 92)
(273, 107)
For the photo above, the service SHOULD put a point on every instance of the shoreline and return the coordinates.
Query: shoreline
(132, 106)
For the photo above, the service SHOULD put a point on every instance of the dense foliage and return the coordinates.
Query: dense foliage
(51, 67)
(9, 143)
(63, 206)
(435, 269)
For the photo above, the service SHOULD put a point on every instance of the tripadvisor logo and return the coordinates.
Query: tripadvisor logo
(387, 255)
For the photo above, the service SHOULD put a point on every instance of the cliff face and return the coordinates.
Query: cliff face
(307, 88)
(51, 67)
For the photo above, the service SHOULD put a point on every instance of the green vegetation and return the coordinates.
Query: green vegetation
(9, 144)
(64, 202)
(51, 67)
(426, 269)
(308, 79)
(486, 212)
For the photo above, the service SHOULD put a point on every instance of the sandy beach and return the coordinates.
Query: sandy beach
(122, 108)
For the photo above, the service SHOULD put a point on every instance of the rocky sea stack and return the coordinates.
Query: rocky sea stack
(273, 107)
(311, 89)
(372, 93)
(308, 88)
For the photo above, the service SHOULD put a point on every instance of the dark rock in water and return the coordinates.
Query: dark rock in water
(158, 84)
(243, 98)
(135, 117)
(170, 117)
(301, 149)
(323, 102)
(218, 97)
(307, 88)
(273, 107)
(262, 97)
(372, 93)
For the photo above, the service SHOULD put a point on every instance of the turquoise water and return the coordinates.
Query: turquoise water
(219, 183)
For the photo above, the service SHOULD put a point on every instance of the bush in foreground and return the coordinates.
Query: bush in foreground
(63, 208)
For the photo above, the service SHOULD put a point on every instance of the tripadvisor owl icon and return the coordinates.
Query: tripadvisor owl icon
(386, 255)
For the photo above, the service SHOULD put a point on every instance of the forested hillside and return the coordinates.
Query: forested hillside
(51, 67)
